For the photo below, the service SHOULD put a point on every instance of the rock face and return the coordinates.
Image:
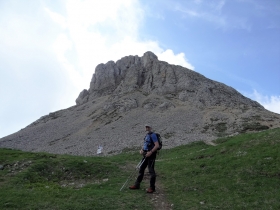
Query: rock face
(182, 105)
(82, 98)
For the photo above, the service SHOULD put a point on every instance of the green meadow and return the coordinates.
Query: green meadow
(240, 172)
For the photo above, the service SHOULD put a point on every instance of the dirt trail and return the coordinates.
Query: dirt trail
(158, 198)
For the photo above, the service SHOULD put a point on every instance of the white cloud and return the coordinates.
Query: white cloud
(49, 55)
(220, 5)
(213, 12)
(97, 33)
(208, 14)
(271, 103)
(178, 59)
(58, 18)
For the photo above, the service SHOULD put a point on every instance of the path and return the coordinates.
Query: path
(158, 198)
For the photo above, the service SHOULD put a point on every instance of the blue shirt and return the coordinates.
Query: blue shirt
(149, 142)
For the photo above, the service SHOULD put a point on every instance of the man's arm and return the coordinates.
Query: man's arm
(155, 141)
(153, 150)
(155, 147)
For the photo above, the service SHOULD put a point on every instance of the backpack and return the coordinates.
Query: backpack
(159, 140)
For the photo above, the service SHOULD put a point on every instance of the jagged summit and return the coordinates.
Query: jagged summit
(181, 104)
(109, 76)
(149, 75)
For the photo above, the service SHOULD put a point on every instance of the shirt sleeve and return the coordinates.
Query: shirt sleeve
(154, 137)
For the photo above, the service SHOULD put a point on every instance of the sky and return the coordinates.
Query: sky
(49, 48)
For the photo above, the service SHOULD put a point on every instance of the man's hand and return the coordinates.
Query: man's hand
(141, 152)
(155, 149)
(149, 154)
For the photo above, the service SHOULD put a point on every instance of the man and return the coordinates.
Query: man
(149, 152)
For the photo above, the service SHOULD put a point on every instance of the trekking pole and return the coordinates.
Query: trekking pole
(139, 164)
(130, 176)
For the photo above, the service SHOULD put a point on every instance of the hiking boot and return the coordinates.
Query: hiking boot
(150, 190)
(134, 187)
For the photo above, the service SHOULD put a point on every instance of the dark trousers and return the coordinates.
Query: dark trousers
(150, 162)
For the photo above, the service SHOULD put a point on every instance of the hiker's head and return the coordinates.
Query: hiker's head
(148, 127)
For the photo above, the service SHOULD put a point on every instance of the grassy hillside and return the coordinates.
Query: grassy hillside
(241, 172)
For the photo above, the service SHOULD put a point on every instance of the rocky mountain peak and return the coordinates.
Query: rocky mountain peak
(151, 76)
(181, 104)
(109, 76)
(148, 57)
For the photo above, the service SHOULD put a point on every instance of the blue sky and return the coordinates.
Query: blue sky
(49, 48)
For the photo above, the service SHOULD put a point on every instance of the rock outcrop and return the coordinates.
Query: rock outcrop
(83, 97)
(182, 105)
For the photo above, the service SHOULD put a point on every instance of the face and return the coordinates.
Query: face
(148, 128)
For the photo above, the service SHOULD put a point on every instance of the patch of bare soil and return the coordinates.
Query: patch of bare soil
(210, 143)
(158, 198)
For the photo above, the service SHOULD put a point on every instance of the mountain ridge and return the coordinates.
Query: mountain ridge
(181, 104)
